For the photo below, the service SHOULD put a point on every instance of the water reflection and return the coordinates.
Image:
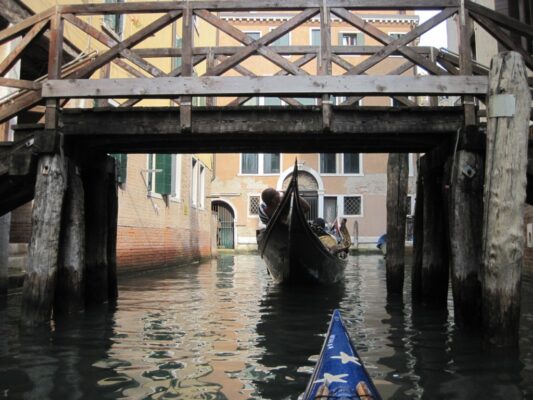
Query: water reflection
(222, 330)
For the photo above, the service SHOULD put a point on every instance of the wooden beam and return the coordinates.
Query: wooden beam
(252, 5)
(127, 43)
(502, 20)
(55, 59)
(16, 53)
(20, 84)
(18, 29)
(265, 85)
(465, 60)
(503, 38)
(283, 50)
(186, 67)
(257, 45)
(399, 45)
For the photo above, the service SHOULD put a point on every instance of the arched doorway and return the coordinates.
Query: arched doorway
(308, 187)
(225, 225)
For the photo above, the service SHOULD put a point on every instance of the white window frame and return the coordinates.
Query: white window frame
(250, 195)
(247, 32)
(351, 33)
(150, 177)
(339, 166)
(176, 177)
(341, 203)
(201, 186)
(396, 33)
(260, 161)
(311, 36)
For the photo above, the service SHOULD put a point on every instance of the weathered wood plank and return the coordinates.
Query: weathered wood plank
(265, 85)
(186, 66)
(40, 282)
(399, 45)
(397, 181)
(16, 53)
(55, 59)
(252, 5)
(18, 29)
(112, 228)
(465, 202)
(465, 60)
(20, 84)
(283, 50)
(70, 275)
(131, 41)
(5, 225)
(418, 236)
(502, 20)
(503, 198)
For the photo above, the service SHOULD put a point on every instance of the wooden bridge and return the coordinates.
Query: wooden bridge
(56, 140)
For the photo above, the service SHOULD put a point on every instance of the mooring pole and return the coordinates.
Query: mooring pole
(418, 236)
(465, 229)
(508, 111)
(95, 180)
(5, 223)
(435, 248)
(397, 180)
(69, 292)
(112, 221)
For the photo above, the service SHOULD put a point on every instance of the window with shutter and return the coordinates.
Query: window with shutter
(121, 167)
(114, 21)
(163, 177)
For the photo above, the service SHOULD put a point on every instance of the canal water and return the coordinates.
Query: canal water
(221, 330)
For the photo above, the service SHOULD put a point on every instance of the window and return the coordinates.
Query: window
(351, 39)
(159, 173)
(315, 37)
(273, 101)
(396, 35)
(338, 100)
(253, 35)
(176, 61)
(345, 163)
(352, 205)
(258, 164)
(121, 163)
(409, 206)
(284, 40)
(114, 21)
(306, 101)
(176, 181)
(328, 163)
(253, 205)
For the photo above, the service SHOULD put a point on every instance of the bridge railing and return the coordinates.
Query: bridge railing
(303, 71)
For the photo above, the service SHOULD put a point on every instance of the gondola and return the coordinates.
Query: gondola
(293, 252)
(339, 372)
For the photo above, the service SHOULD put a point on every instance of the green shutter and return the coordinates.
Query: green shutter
(360, 39)
(163, 178)
(176, 61)
(122, 166)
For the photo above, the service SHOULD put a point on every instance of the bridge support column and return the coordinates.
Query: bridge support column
(112, 224)
(5, 223)
(69, 291)
(465, 211)
(418, 237)
(434, 274)
(98, 210)
(508, 111)
(40, 282)
(397, 180)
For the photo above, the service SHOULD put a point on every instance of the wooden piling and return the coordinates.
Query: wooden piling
(39, 285)
(418, 237)
(465, 210)
(5, 223)
(397, 179)
(509, 104)
(69, 292)
(112, 221)
(95, 179)
(435, 248)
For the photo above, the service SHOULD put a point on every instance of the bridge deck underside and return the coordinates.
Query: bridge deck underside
(261, 129)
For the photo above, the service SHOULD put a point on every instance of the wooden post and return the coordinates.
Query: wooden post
(40, 282)
(95, 179)
(5, 224)
(69, 292)
(464, 223)
(435, 254)
(509, 104)
(465, 59)
(186, 67)
(324, 62)
(418, 235)
(112, 221)
(397, 179)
